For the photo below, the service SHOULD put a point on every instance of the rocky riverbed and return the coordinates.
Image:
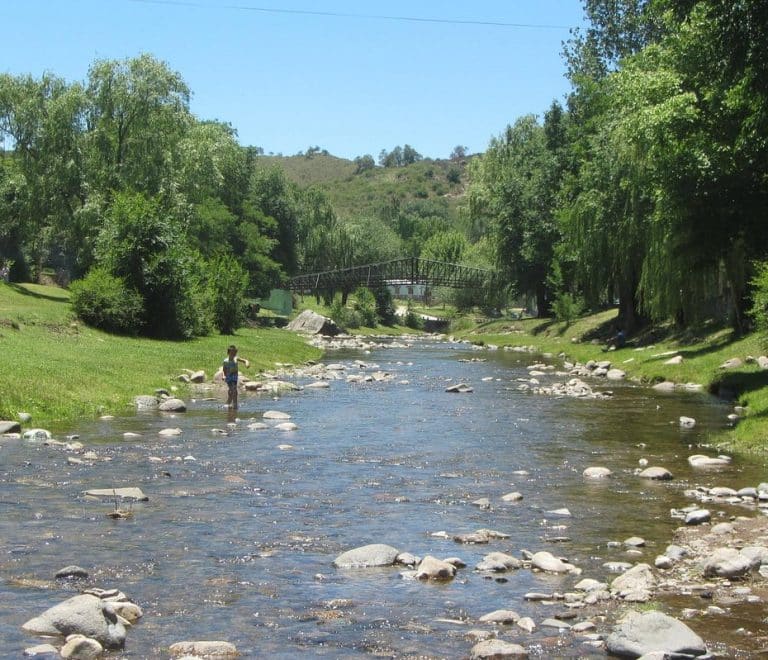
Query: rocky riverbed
(627, 597)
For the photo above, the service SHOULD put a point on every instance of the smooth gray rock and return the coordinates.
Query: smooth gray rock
(84, 615)
(658, 473)
(498, 562)
(546, 561)
(312, 323)
(637, 579)
(375, 554)
(72, 573)
(173, 405)
(9, 427)
(41, 651)
(80, 647)
(431, 568)
(726, 562)
(637, 634)
(205, 649)
(757, 554)
(120, 493)
(596, 473)
(497, 648)
(697, 517)
(506, 617)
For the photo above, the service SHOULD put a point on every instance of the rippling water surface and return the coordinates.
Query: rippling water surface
(238, 543)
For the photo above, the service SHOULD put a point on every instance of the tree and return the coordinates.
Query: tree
(364, 163)
(459, 153)
(447, 246)
(138, 112)
(228, 282)
(512, 186)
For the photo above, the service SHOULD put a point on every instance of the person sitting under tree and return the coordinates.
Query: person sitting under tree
(229, 367)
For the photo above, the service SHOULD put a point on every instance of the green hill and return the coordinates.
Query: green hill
(372, 192)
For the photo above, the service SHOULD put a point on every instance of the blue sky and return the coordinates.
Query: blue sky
(288, 80)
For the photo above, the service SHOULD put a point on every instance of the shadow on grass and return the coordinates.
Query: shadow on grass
(738, 383)
(34, 294)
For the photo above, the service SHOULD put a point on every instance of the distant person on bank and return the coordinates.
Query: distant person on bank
(229, 366)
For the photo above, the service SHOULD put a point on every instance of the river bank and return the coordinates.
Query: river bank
(57, 370)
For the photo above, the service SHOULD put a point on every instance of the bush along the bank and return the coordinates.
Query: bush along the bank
(106, 302)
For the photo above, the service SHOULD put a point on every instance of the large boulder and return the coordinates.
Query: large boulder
(173, 405)
(312, 323)
(637, 634)
(81, 615)
(726, 562)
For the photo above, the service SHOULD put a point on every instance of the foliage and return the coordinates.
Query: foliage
(345, 318)
(228, 283)
(143, 244)
(105, 302)
(365, 306)
(385, 307)
(412, 319)
(567, 307)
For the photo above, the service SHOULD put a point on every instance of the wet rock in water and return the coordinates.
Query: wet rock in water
(560, 512)
(596, 473)
(133, 493)
(86, 615)
(81, 647)
(407, 559)
(700, 460)
(480, 536)
(637, 634)
(173, 405)
(697, 517)
(498, 562)
(506, 617)
(257, 426)
(39, 435)
(319, 385)
(658, 473)
(459, 388)
(127, 610)
(375, 554)
(496, 648)
(41, 651)
(664, 386)
(512, 497)
(72, 573)
(616, 374)
(286, 426)
(483, 503)
(146, 402)
(546, 561)
(275, 414)
(635, 542)
(588, 584)
(204, 649)
(726, 562)
(9, 427)
(431, 568)
(526, 623)
(687, 422)
(170, 432)
(635, 584)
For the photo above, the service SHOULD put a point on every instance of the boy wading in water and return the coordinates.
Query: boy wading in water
(229, 367)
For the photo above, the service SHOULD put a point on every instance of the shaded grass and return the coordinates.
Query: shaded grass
(58, 370)
(704, 349)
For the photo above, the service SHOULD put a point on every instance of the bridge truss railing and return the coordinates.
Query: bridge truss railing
(410, 270)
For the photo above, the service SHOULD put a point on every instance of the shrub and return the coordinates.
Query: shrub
(104, 301)
(228, 283)
(759, 309)
(385, 307)
(365, 306)
(567, 308)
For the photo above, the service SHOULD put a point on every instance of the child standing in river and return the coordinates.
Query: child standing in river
(229, 367)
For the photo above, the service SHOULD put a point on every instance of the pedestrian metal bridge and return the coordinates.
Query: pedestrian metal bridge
(410, 270)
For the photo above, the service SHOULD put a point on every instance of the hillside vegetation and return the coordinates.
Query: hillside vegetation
(378, 191)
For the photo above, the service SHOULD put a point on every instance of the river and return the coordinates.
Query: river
(238, 537)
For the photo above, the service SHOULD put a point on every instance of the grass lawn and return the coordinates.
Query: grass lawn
(57, 369)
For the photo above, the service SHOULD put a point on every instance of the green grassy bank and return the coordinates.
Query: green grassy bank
(703, 350)
(58, 370)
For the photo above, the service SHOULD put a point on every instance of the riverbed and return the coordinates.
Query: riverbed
(237, 539)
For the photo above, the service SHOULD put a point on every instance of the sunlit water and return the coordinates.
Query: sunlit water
(238, 543)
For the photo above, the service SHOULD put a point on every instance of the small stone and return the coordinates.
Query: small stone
(206, 649)
(496, 648)
(72, 573)
(658, 473)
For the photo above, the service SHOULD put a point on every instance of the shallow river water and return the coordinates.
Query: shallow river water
(238, 543)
